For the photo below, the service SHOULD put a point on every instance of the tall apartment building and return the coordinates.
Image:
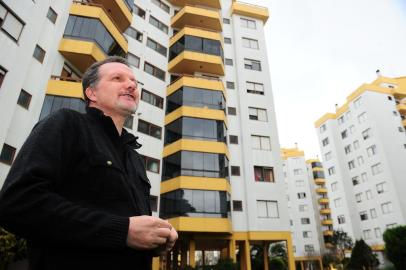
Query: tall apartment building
(363, 145)
(308, 205)
(206, 117)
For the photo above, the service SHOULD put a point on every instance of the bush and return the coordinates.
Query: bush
(226, 264)
(395, 246)
(277, 263)
(362, 257)
(12, 248)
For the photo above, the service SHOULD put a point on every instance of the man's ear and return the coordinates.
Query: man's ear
(89, 92)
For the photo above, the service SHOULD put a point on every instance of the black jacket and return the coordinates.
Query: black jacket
(71, 191)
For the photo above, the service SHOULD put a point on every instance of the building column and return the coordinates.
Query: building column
(231, 250)
(245, 256)
(266, 255)
(291, 257)
(321, 263)
(155, 263)
(302, 265)
(183, 254)
(192, 249)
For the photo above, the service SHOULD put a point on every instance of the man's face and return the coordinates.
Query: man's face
(116, 92)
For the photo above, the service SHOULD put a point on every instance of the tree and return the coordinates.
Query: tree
(278, 254)
(277, 263)
(341, 242)
(12, 248)
(395, 246)
(362, 257)
(329, 259)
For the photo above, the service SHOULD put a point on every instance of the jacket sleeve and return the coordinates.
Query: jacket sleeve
(29, 205)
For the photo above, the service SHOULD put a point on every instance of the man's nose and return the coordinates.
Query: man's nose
(131, 85)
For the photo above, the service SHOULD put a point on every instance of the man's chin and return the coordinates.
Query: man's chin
(128, 110)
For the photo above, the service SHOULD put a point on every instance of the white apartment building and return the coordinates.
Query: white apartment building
(206, 106)
(363, 146)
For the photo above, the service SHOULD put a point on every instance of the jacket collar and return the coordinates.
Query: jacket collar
(107, 123)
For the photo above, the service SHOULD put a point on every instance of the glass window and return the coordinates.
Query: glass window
(232, 111)
(52, 15)
(252, 64)
(149, 129)
(134, 33)
(153, 202)
(152, 99)
(387, 208)
(233, 139)
(3, 72)
(267, 209)
(229, 62)
(376, 169)
(235, 170)
(325, 141)
(10, 23)
(139, 11)
(7, 154)
(151, 164)
(154, 71)
(250, 43)
(341, 219)
(305, 220)
(237, 205)
(133, 60)
(54, 103)
(230, 85)
(157, 47)
(263, 174)
(24, 99)
(161, 5)
(247, 23)
(227, 40)
(226, 21)
(158, 24)
(257, 114)
(261, 142)
(39, 53)
(255, 88)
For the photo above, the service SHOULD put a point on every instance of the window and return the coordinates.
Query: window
(246, 23)
(378, 233)
(307, 234)
(331, 170)
(334, 186)
(2, 75)
(303, 208)
(267, 209)
(371, 150)
(237, 206)
(309, 248)
(227, 40)
(387, 208)
(364, 177)
(360, 160)
(235, 170)
(232, 111)
(381, 187)
(135, 34)
(355, 180)
(327, 156)
(255, 88)
(362, 117)
(149, 129)
(52, 15)
(24, 99)
(356, 144)
(261, 142)
(325, 142)
(153, 202)
(376, 169)
(133, 60)
(367, 234)
(233, 139)
(152, 99)
(39, 53)
(154, 71)
(162, 5)
(323, 128)
(299, 183)
(128, 123)
(157, 47)
(352, 129)
(263, 174)
(297, 171)
(400, 129)
(338, 202)
(395, 113)
(226, 21)
(341, 219)
(357, 102)
(305, 220)
(252, 64)
(158, 24)
(358, 197)
(347, 149)
(373, 213)
(392, 225)
(7, 153)
(363, 215)
(301, 195)
(230, 85)
(341, 120)
(10, 23)
(151, 164)
(344, 134)
(139, 11)
(389, 98)
(368, 194)
(257, 114)
(366, 134)
(228, 62)
(250, 43)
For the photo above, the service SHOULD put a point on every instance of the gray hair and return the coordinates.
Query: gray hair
(91, 76)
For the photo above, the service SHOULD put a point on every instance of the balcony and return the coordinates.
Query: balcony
(196, 82)
(118, 11)
(324, 201)
(64, 87)
(399, 93)
(90, 35)
(328, 233)
(404, 123)
(327, 222)
(320, 181)
(203, 224)
(249, 10)
(326, 211)
(401, 108)
(197, 17)
(208, 3)
(195, 183)
(195, 146)
(321, 190)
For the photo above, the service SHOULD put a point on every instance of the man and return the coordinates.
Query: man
(78, 191)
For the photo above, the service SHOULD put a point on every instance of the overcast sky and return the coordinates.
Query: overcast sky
(322, 50)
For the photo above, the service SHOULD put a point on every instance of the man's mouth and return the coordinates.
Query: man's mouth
(129, 96)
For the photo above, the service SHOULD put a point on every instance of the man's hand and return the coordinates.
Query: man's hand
(171, 239)
(146, 232)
